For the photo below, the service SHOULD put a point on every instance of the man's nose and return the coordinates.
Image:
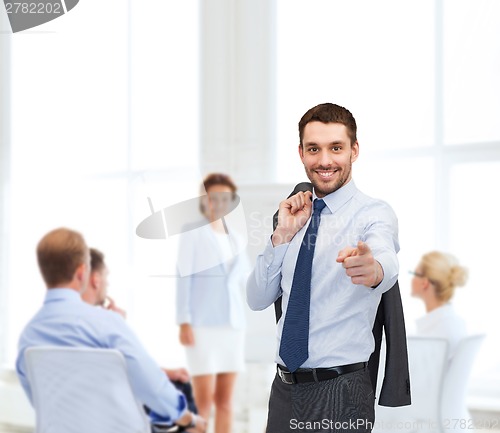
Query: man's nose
(325, 159)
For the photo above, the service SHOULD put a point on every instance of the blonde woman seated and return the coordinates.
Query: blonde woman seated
(434, 281)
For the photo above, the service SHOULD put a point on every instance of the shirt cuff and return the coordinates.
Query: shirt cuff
(390, 268)
(183, 318)
(274, 256)
(182, 408)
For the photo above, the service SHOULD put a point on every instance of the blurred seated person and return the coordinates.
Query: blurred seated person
(97, 294)
(434, 281)
(97, 289)
(65, 320)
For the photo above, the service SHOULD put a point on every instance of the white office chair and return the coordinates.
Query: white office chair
(456, 417)
(82, 390)
(438, 389)
(427, 358)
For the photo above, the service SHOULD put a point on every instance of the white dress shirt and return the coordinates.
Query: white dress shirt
(213, 271)
(341, 313)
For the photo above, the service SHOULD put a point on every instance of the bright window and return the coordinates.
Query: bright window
(471, 34)
(473, 237)
(102, 98)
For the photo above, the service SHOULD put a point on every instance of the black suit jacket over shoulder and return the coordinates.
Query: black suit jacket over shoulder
(395, 390)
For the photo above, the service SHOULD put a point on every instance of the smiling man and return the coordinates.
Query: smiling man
(331, 257)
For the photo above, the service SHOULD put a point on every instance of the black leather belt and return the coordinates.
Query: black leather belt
(303, 375)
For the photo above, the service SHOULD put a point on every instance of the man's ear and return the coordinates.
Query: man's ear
(354, 151)
(93, 280)
(301, 151)
(80, 272)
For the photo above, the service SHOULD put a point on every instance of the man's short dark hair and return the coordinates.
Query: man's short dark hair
(96, 260)
(329, 113)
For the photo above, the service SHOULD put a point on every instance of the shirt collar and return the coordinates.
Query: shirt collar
(62, 294)
(335, 200)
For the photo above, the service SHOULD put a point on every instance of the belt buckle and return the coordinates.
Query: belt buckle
(282, 374)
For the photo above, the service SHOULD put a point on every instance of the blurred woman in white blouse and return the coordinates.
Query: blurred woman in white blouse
(434, 281)
(210, 304)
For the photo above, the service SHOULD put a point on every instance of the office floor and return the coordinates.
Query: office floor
(239, 428)
(7, 430)
(490, 423)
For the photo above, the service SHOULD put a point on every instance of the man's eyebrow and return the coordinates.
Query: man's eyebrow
(332, 143)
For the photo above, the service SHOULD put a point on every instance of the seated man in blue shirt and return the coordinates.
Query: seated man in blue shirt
(65, 320)
(97, 289)
(97, 294)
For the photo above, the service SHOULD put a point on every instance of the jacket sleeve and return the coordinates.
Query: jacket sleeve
(395, 390)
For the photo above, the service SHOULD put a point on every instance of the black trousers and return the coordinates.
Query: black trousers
(341, 405)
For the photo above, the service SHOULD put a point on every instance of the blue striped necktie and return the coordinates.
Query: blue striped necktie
(294, 349)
